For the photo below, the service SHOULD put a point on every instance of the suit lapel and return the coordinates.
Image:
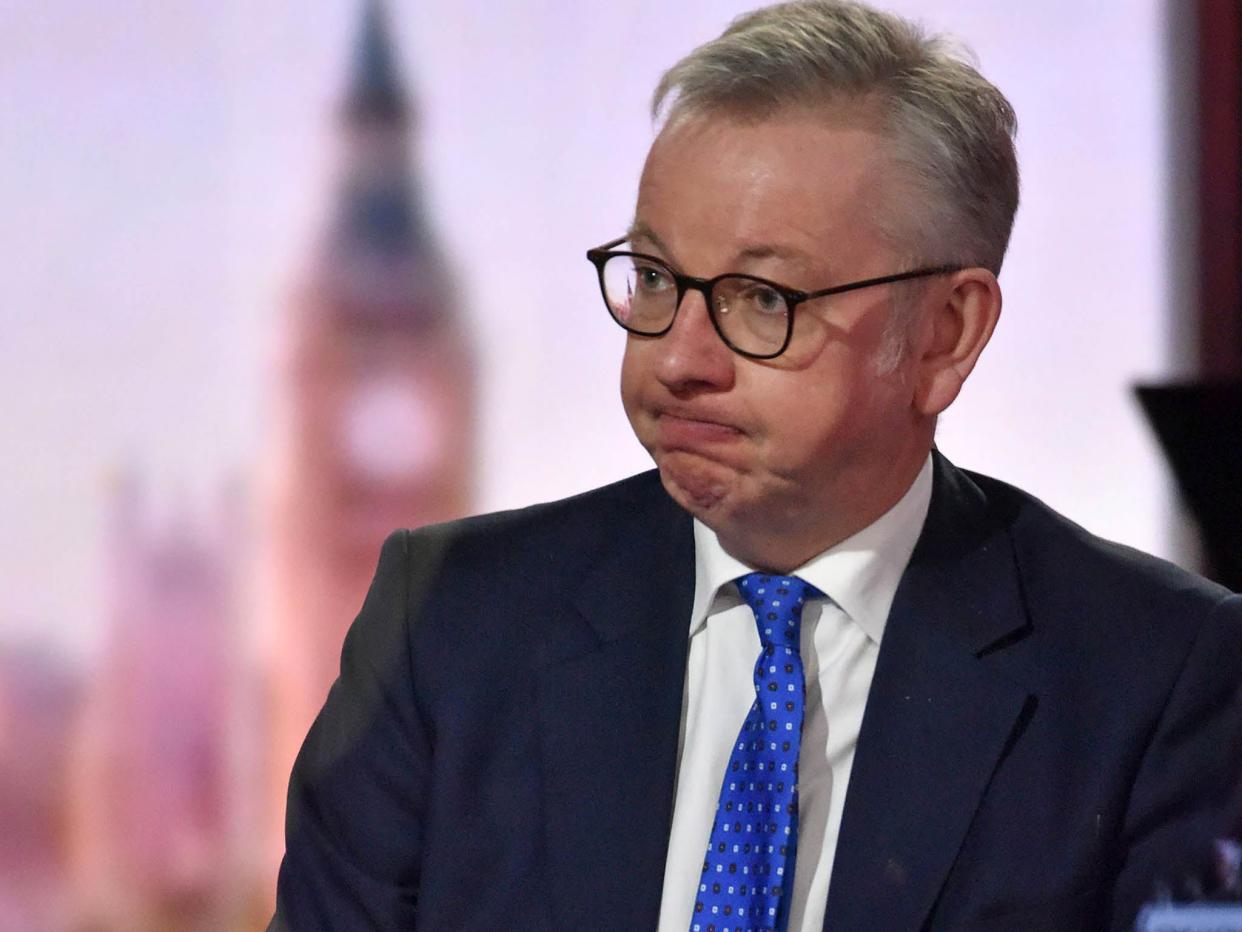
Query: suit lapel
(937, 719)
(609, 790)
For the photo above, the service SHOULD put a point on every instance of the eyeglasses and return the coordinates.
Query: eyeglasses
(753, 316)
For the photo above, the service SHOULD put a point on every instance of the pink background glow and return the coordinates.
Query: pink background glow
(165, 167)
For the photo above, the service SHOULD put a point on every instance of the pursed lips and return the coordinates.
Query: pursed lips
(677, 427)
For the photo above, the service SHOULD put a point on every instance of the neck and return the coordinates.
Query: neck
(803, 532)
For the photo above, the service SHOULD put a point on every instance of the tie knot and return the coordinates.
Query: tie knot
(777, 603)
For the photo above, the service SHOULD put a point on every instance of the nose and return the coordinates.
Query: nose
(692, 357)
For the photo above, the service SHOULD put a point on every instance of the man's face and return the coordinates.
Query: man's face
(804, 449)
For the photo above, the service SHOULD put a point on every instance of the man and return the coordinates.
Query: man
(878, 692)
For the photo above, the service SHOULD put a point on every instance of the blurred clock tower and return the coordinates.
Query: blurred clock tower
(376, 423)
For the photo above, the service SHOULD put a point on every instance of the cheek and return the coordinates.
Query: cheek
(633, 378)
(807, 435)
(823, 421)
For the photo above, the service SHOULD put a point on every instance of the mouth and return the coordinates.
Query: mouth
(684, 428)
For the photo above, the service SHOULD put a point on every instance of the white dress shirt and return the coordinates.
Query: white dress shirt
(840, 641)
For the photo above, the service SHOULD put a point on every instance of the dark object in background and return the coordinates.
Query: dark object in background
(1200, 430)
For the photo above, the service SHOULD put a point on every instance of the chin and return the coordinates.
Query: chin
(699, 485)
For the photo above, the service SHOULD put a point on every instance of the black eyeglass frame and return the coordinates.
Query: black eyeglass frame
(600, 255)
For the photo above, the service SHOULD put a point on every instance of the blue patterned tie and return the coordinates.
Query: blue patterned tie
(749, 868)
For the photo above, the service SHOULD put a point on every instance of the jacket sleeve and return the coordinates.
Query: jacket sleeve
(355, 815)
(1186, 786)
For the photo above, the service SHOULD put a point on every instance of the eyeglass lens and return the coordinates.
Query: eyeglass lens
(642, 296)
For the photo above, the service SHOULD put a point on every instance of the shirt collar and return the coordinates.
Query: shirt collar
(860, 574)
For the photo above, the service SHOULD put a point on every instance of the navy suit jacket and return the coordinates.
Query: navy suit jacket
(1054, 721)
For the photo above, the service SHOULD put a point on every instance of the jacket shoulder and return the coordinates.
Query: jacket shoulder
(1063, 564)
(579, 520)
(515, 559)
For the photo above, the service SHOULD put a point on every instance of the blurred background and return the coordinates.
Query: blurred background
(281, 277)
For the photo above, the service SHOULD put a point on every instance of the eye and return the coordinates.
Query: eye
(763, 299)
(651, 278)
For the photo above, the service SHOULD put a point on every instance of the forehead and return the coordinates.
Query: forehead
(795, 182)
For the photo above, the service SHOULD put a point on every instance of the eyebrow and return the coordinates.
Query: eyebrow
(639, 230)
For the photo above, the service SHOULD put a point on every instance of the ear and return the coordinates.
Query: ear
(952, 334)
